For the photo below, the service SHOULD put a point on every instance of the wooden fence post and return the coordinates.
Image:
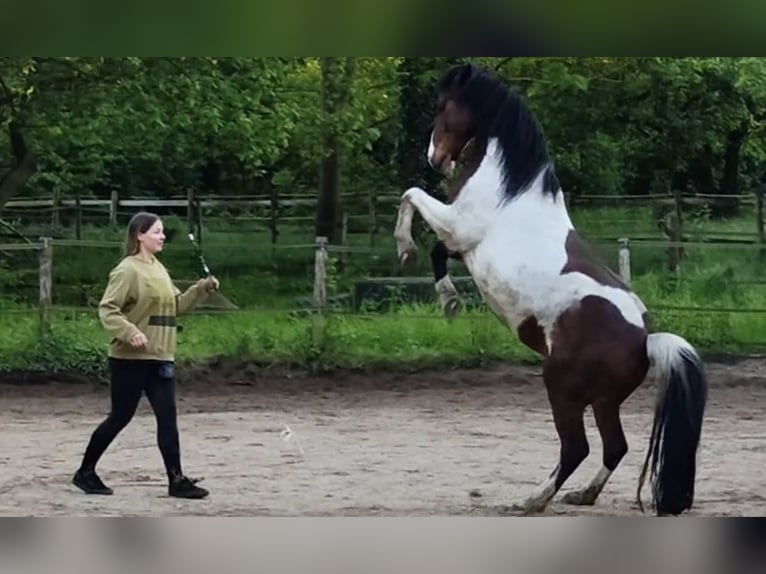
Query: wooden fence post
(343, 241)
(113, 205)
(677, 228)
(373, 224)
(198, 205)
(190, 210)
(320, 290)
(759, 218)
(274, 212)
(56, 207)
(46, 285)
(624, 258)
(78, 217)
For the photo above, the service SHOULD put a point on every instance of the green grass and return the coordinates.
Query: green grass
(642, 221)
(267, 281)
(411, 337)
(415, 336)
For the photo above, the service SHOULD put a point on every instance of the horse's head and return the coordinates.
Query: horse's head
(455, 124)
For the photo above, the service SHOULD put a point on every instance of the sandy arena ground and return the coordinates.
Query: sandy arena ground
(457, 442)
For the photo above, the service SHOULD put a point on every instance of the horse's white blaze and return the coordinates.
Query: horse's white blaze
(431, 149)
(515, 251)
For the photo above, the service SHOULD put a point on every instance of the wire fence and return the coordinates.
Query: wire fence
(360, 210)
(366, 219)
(317, 302)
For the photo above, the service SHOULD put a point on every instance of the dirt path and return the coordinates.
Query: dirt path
(438, 443)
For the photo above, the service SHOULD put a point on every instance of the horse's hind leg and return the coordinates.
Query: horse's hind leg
(445, 289)
(568, 417)
(615, 446)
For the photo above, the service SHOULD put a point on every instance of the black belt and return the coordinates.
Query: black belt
(162, 320)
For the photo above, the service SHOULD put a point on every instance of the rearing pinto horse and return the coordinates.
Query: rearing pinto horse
(510, 225)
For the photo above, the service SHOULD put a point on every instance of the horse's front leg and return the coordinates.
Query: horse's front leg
(405, 245)
(439, 216)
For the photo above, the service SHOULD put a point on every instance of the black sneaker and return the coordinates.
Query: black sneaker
(185, 487)
(89, 482)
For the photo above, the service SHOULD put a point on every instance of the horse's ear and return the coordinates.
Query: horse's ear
(465, 73)
(457, 75)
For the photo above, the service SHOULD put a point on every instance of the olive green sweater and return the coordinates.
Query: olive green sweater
(140, 296)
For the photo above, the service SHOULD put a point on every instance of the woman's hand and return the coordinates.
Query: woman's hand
(138, 341)
(210, 283)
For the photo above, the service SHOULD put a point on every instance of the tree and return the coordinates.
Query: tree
(337, 77)
(16, 92)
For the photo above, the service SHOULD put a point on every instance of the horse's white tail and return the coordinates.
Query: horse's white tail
(680, 405)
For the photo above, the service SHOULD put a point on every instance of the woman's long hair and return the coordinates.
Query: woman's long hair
(139, 223)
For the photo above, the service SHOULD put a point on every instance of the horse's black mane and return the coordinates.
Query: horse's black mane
(498, 112)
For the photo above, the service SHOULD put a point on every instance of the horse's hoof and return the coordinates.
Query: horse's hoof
(452, 307)
(529, 507)
(408, 254)
(580, 498)
(505, 510)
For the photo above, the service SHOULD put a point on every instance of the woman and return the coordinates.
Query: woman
(138, 309)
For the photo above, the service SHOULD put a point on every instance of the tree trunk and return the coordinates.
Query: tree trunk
(729, 206)
(328, 204)
(26, 166)
(701, 172)
(337, 75)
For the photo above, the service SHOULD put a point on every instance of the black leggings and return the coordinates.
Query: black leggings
(129, 379)
(439, 256)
